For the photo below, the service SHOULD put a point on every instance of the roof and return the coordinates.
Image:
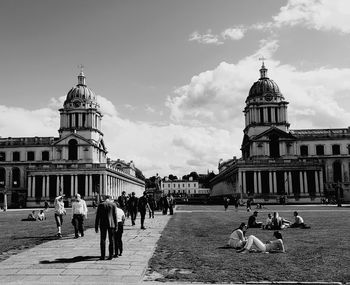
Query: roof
(321, 133)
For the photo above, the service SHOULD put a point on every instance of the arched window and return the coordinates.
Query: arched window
(2, 177)
(16, 177)
(72, 150)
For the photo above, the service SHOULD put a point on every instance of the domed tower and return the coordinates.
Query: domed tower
(81, 112)
(265, 106)
(266, 122)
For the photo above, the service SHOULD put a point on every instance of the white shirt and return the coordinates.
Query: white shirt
(59, 206)
(79, 207)
(299, 220)
(120, 215)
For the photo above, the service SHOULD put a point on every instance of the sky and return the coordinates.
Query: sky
(172, 77)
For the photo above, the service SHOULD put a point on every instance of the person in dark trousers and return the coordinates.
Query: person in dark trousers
(165, 205)
(119, 233)
(152, 205)
(226, 202)
(122, 201)
(106, 219)
(143, 206)
(171, 204)
(252, 223)
(133, 207)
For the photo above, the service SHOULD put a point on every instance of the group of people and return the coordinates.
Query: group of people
(243, 244)
(35, 217)
(276, 222)
(167, 202)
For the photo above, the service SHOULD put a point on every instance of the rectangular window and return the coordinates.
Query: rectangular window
(15, 156)
(319, 150)
(2, 156)
(261, 115)
(269, 114)
(30, 156)
(336, 149)
(304, 150)
(45, 155)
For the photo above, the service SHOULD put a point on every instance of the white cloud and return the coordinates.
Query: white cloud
(207, 38)
(316, 14)
(236, 33)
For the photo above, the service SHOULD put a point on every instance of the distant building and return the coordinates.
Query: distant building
(184, 189)
(300, 165)
(35, 169)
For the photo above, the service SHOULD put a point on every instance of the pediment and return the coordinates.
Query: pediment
(80, 140)
(273, 132)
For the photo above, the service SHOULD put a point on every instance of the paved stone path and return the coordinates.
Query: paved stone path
(75, 261)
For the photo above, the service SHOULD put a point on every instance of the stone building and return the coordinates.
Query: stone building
(300, 165)
(35, 169)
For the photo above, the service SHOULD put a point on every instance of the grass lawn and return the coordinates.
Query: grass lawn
(189, 248)
(16, 235)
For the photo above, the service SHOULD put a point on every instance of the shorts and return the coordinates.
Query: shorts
(59, 220)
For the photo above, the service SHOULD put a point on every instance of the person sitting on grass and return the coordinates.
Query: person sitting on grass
(279, 223)
(274, 246)
(31, 217)
(252, 223)
(41, 215)
(237, 238)
(268, 222)
(299, 222)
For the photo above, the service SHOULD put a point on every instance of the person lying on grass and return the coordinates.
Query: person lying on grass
(237, 238)
(273, 246)
(299, 222)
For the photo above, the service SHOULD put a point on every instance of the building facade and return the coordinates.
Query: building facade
(300, 165)
(35, 169)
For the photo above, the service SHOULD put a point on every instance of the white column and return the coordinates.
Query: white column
(33, 189)
(105, 183)
(90, 185)
(285, 182)
(290, 183)
(101, 184)
(317, 190)
(47, 186)
(57, 185)
(43, 192)
(259, 182)
(240, 181)
(301, 180)
(71, 185)
(75, 184)
(305, 183)
(61, 181)
(270, 183)
(86, 188)
(29, 187)
(274, 182)
(321, 182)
(255, 183)
(244, 190)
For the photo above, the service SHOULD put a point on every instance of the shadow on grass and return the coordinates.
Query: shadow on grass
(71, 260)
(41, 238)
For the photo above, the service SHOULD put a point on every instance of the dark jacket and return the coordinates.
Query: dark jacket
(106, 215)
(143, 204)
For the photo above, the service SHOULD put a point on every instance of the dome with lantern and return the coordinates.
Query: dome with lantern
(264, 87)
(81, 96)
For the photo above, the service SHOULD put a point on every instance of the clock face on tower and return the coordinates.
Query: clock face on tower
(76, 104)
(268, 97)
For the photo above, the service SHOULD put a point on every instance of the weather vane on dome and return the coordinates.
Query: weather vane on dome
(81, 67)
(263, 60)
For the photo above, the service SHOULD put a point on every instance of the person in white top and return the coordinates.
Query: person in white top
(119, 233)
(237, 238)
(79, 211)
(59, 212)
(270, 246)
(299, 222)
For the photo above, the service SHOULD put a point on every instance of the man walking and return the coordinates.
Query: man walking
(122, 201)
(106, 218)
(133, 207)
(79, 211)
(143, 206)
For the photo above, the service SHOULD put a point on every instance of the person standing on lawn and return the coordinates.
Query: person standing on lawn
(79, 212)
(143, 206)
(106, 219)
(133, 208)
(59, 212)
(118, 242)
